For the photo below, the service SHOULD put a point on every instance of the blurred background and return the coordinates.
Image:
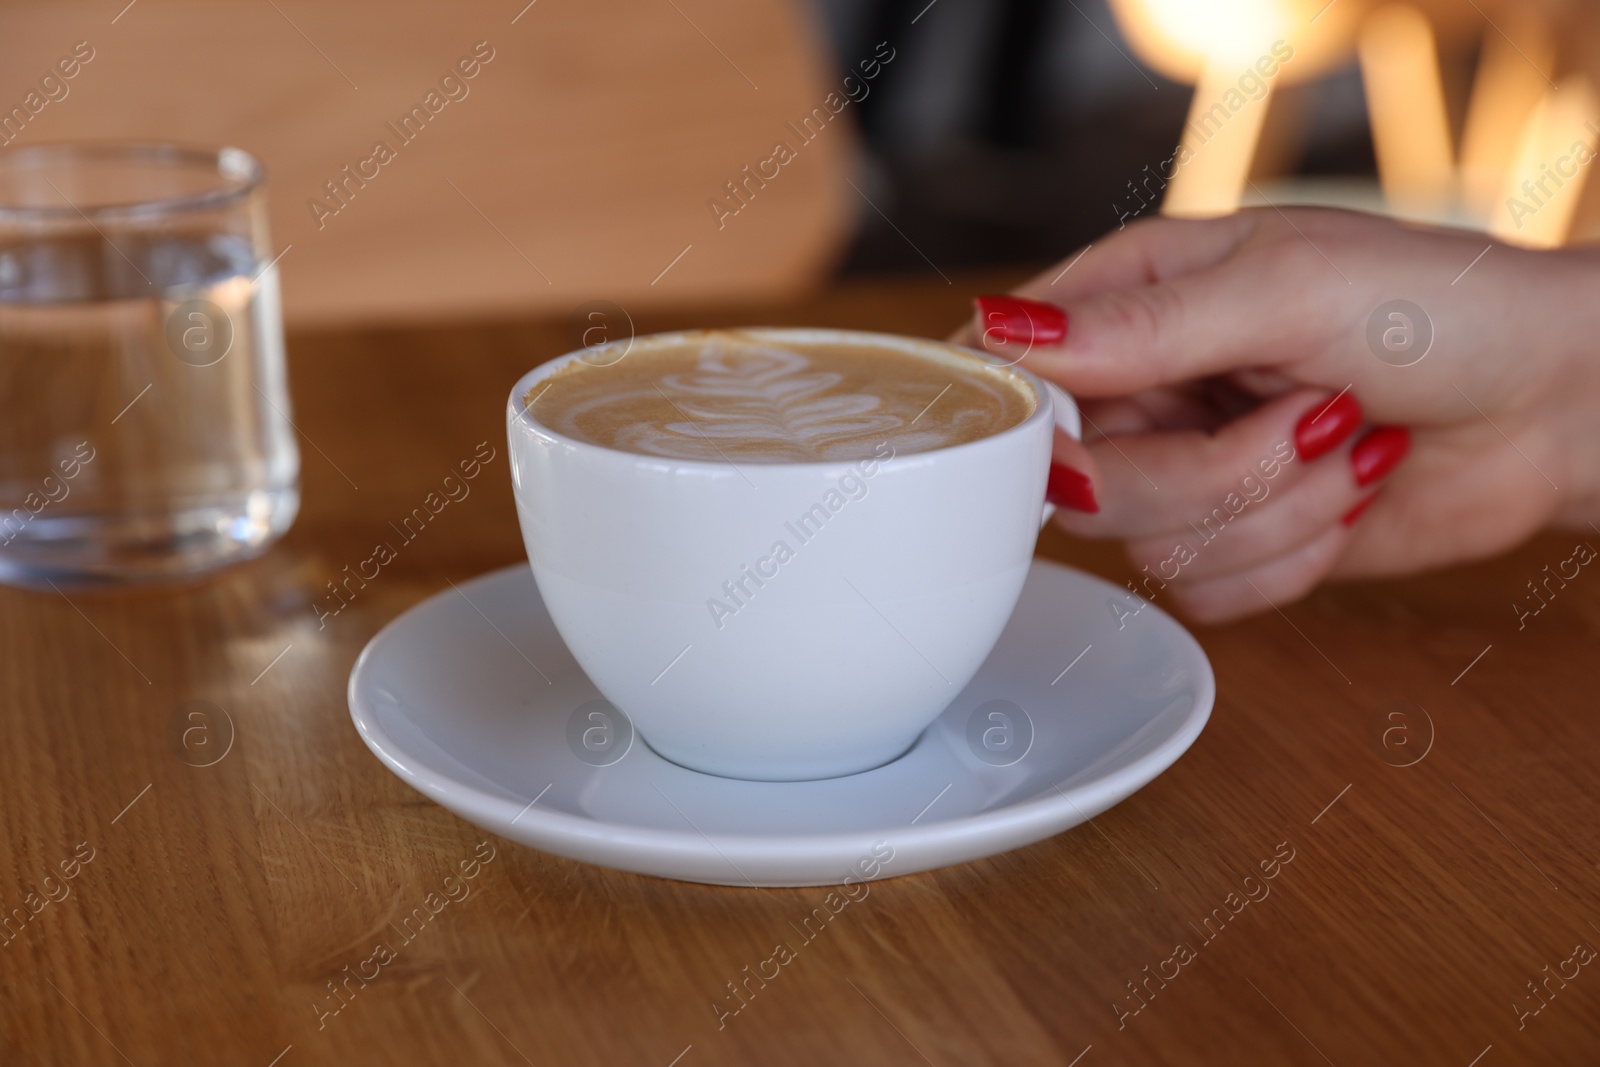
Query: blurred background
(1022, 129)
(660, 152)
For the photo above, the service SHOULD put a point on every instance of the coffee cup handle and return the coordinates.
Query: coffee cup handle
(1069, 422)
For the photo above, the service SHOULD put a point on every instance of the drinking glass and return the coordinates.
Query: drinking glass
(145, 429)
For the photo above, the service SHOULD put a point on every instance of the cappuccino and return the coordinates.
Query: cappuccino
(727, 395)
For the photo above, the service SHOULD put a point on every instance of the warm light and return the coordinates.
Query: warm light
(1219, 143)
(1234, 51)
(1553, 158)
(1223, 31)
(1182, 39)
(1511, 79)
(1405, 100)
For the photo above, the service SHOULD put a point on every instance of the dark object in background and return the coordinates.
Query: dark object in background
(1010, 131)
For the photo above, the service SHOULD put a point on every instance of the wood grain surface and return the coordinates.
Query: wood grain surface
(160, 912)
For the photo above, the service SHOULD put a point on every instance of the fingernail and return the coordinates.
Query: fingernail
(1379, 452)
(1011, 318)
(1327, 426)
(1356, 512)
(1070, 489)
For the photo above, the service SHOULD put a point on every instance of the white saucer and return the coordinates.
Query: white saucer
(472, 698)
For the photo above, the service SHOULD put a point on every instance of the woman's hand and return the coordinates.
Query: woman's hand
(1247, 441)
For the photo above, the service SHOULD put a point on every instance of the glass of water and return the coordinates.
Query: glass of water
(144, 410)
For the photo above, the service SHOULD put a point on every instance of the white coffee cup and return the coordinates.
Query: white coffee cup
(823, 661)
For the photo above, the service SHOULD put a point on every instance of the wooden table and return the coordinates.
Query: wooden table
(212, 906)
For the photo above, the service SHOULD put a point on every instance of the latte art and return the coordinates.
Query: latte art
(733, 396)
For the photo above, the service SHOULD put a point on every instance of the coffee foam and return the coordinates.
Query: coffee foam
(740, 397)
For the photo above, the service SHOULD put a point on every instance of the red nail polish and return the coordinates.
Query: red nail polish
(1379, 452)
(1359, 510)
(1327, 426)
(1011, 318)
(1070, 489)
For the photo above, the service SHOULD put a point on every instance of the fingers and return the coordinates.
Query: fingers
(1437, 506)
(1160, 483)
(1074, 476)
(1149, 251)
(1177, 304)
(1271, 584)
(1211, 322)
(1275, 523)
(1273, 496)
(1168, 408)
(1240, 561)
